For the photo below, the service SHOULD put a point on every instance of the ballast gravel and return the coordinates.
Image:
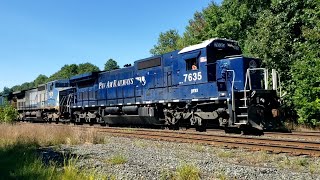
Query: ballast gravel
(148, 159)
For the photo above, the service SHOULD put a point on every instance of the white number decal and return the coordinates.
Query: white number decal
(192, 77)
(189, 77)
(199, 76)
(185, 77)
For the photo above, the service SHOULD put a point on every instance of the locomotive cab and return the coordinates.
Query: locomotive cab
(233, 87)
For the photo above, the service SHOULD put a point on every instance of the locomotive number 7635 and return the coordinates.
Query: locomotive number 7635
(192, 76)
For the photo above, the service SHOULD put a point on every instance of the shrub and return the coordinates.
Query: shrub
(188, 172)
(117, 159)
(8, 113)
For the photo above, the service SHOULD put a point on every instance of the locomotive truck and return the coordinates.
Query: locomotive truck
(203, 85)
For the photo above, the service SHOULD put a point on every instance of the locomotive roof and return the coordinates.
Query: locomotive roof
(64, 88)
(203, 44)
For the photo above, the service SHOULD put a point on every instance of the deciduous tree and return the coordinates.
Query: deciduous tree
(111, 65)
(167, 41)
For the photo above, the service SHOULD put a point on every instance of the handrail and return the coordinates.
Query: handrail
(280, 88)
(248, 77)
(232, 89)
(276, 81)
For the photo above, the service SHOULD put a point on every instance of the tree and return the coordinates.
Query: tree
(306, 69)
(167, 41)
(41, 79)
(286, 37)
(65, 72)
(87, 67)
(16, 88)
(6, 90)
(27, 85)
(198, 28)
(111, 65)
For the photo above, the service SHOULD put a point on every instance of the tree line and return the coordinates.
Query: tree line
(285, 34)
(65, 72)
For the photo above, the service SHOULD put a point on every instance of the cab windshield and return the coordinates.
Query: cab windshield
(220, 49)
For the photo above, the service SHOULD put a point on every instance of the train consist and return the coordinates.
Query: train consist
(204, 85)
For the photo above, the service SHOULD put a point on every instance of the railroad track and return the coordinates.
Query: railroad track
(296, 134)
(295, 147)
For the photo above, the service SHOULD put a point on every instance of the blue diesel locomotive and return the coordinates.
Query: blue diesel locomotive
(207, 84)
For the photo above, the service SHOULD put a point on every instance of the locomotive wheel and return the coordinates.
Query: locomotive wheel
(56, 120)
(174, 127)
(232, 130)
(202, 127)
(248, 130)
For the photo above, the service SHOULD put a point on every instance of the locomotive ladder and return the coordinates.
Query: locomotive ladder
(236, 116)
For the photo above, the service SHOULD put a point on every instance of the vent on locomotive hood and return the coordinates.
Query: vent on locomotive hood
(202, 45)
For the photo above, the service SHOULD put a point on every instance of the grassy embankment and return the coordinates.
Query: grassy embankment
(19, 158)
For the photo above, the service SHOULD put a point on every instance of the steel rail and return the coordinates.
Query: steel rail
(295, 147)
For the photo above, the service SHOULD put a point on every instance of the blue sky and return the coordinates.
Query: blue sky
(40, 36)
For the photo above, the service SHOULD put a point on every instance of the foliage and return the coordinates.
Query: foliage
(117, 159)
(111, 65)
(8, 113)
(167, 41)
(196, 31)
(183, 172)
(284, 34)
(306, 70)
(68, 71)
(188, 172)
(87, 67)
(21, 161)
(41, 79)
(65, 72)
(19, 153)
(5, 91)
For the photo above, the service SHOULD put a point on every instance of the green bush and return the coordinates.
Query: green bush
(21, 161)
(8, 113)
(188, 172)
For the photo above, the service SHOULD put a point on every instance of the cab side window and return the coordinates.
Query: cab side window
(192, 64)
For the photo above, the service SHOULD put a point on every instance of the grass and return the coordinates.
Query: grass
(117, 159)
(167, 175)
(199, 148)
(297, 163)
(183, 172)
(19, 158)
(225, 154)
(188, 172)
(301, 127)
(140, 143)
(220, 174)
(47, 135)
(20, 161)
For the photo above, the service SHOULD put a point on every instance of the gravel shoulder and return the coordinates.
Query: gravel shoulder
(130, 158)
